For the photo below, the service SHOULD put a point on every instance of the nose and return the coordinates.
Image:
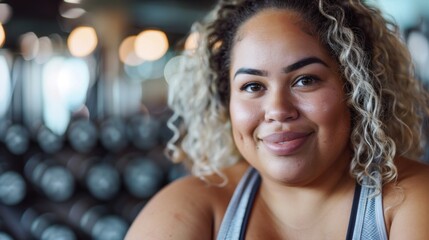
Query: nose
(280, 107)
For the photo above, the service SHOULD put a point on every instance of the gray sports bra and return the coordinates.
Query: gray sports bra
(366, 220)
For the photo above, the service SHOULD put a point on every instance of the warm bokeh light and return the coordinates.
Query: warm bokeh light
(29, 44)
(2, 35)
(5, 86)
(191, 42)
(151, 45)
(5, 13)
(82, 41)
(127, 54)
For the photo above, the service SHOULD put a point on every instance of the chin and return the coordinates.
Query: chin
(287, 171)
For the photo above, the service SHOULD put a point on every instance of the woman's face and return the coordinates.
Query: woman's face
(288, 108)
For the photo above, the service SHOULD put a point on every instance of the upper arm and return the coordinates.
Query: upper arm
(179, 211)
(411, 220)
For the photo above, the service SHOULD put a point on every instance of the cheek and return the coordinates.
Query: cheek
(328, 110)
(244, 118)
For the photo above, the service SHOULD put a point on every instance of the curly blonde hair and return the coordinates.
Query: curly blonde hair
(387, 103)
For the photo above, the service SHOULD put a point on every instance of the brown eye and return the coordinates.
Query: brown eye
(252, 87)
(305, 81)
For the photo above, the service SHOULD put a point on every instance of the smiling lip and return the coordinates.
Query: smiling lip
(285, 143)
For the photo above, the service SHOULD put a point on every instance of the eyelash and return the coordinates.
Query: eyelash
(251, 84)
(304, 77)
(260, 86)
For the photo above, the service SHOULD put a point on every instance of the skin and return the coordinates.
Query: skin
(268, 96)
(306, 191)
(291, 87)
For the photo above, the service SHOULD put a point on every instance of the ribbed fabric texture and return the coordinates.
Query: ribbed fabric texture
(369, 219)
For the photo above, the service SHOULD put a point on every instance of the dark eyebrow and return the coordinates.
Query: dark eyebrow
(302, 63)
(251, 71)
(295, 66)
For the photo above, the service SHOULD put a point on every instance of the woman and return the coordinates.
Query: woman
(302, 124)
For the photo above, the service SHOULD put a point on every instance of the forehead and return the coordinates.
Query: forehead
(275, 33)
(271, 19)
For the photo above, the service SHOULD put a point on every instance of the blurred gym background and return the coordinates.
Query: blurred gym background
(83, 108)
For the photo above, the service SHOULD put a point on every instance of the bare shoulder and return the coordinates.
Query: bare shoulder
(413, 176)
(176, 212)
(409, 201)
(409, 169)
(188, 208)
